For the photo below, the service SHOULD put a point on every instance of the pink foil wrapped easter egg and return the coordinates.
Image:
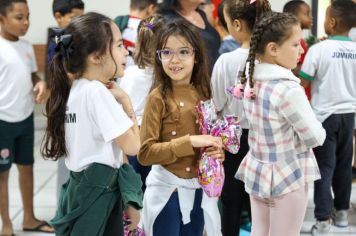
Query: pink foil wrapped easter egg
(211, 175)
(136, 232)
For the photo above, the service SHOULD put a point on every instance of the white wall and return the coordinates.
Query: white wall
(41, 15)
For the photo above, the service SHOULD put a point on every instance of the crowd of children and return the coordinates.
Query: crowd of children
(121, 99)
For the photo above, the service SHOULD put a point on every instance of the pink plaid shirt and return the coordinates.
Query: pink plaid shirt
(283, 129)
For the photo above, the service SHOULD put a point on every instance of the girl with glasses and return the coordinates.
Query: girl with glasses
(174, 203)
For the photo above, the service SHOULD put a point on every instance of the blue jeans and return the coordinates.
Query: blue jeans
(169, 221)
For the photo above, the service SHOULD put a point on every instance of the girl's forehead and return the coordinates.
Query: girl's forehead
(177, 41)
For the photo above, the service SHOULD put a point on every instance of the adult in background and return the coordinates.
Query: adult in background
(189, 10)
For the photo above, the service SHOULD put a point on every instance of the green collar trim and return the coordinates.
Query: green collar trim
(341, 38)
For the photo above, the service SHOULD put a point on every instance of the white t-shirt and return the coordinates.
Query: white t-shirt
(226, 73)
(93, 120)
(17, 63)
(331, 66)
(137, 84)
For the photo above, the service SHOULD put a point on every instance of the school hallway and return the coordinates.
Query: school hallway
(45, 192)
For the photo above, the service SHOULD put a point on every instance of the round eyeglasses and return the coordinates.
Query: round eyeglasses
(182, 54)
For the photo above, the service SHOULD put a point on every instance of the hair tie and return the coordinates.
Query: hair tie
(63, 42)
(150, 26)
(252, 1)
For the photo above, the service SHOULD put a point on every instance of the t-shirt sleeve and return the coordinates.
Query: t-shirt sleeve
(107, 113)
(310, 64)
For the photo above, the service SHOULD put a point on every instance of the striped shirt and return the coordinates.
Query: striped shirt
(283, 129)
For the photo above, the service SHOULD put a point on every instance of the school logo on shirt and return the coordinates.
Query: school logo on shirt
(4, 154)
(70, 118)
(344, 54)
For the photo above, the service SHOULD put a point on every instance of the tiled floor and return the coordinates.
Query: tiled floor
(45, 193)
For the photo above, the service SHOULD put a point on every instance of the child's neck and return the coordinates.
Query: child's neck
(245, 43)
(8, 36)
(340, 33)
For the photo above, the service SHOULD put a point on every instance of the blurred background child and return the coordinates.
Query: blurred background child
(330, 67)
(137, 80)
(128, 24)
(20, 89)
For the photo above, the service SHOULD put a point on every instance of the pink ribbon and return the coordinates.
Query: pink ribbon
(252, 1)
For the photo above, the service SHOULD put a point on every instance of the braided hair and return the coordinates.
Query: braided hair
(273, 27)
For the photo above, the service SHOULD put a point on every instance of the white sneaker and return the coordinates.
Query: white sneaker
(340, 218)
(321, 227)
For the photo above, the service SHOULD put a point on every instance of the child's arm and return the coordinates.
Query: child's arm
(296, 109)
(129, 141)
(39, 88)
(153, 150)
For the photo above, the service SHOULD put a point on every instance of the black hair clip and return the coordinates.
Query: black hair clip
(63, 42)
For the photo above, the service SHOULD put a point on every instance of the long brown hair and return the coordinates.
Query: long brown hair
(200, 76)
(273, 27)
(89, 33)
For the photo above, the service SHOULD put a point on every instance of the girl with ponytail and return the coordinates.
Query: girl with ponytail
(282, 129)
(90, 124)
(240, 16)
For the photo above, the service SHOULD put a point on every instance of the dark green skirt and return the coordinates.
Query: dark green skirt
(86, 201)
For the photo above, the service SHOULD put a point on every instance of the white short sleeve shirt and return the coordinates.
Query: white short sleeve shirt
(226, 73)
(331, 66)
(93, 120)
(17, 63)
(137, 84)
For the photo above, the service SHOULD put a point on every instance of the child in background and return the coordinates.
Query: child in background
(301, 10)
(128, 24)
(20, 88)
(240, 17)
(98, 125)
(137, 80)
(282, 129)
(331, 67)
(63, 11)
(174, 203)
(228, 43)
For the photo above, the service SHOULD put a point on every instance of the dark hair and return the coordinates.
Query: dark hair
(221, 15)
(142, 4)
(6, 5)
(200, 76)
(167, 6)
(244, 10)
(293, 6)
(146, 34)
(89, 33)
(273, 27)
(66, 6)
(344, 11)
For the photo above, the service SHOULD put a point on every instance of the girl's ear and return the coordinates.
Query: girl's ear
(271, 49)
(237, 24)
(94, 58)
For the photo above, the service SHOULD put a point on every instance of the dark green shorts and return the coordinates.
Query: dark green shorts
(16, 143)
